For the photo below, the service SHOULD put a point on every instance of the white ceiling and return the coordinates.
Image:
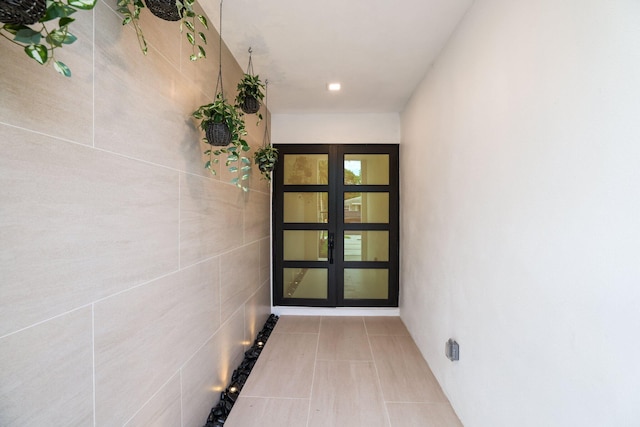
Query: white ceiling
(379, 50)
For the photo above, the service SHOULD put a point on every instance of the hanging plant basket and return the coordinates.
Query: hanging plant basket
(218, 134)
(266, 158)
(250, 91)
(164, 9)
(22, 12)
(250, 105)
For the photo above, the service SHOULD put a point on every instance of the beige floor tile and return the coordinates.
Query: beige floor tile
(422, 415)
(404, 374)
(268, 412)
(385, 325)
(346, 393)
(285, 367)
(343, 338)
(298, 324)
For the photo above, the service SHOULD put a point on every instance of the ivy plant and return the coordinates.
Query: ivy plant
(50, 32)
(266, 158)
(250, 87)
(131, 10)
(221, 111)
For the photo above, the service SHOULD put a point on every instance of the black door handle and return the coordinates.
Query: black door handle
(331, 245)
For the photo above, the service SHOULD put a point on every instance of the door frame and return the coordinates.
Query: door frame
(335, 292)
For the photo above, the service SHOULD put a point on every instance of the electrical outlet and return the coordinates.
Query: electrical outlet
(452, 350)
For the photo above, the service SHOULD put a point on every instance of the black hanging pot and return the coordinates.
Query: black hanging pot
(250, 105)
(218, 134)
(22, 12)
(266, 165)
(164, 9)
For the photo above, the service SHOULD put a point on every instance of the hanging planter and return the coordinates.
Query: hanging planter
(218, 134)
(220, 121)
(40, 40)
(250, 91)
(250, 105)
(224, 127)
(164, 9)
(266, 156)
(22, 12)
(168, 10)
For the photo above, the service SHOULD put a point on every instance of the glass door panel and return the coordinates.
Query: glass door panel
(366, 208)
(366, 169)
(366, 283)
(366, 246)
(305, 283)
(305, 245)
(306, 207)
(306, 169)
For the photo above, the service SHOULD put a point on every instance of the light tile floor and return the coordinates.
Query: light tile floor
(341, 372)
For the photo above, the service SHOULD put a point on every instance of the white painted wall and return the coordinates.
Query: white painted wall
(382, 128)
(520, 176)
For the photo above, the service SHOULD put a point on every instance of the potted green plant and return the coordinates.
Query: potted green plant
(266, 158)
(168, 10)
(250, 94)
(27, 24)
(224, 127)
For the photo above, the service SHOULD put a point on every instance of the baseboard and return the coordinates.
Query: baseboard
(335, 311)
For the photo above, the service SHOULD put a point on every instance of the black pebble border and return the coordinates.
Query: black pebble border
(220, 412)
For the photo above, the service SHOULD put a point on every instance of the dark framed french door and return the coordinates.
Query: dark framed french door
(335, 224)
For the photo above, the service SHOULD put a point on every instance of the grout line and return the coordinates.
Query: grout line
(179, 223)
(93, 82)
(153, 396)
(181, 399)
(122, 155)
(93, 356)
(275, 398)
(56, 137)
(375, 366)
(417, 402)
(220, 293)
(313, 376)
(46, 320)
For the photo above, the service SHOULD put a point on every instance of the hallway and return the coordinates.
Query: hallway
(341, 371)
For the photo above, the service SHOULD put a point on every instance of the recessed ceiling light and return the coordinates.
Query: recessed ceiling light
(334, 87)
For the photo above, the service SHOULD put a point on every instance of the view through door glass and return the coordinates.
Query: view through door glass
(336, 225)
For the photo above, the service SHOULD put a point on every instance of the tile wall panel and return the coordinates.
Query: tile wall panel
(239, 277)
(143, 336)
(208, 373)
(143, 103)
(77, 224)
(265, 260)
(256, 224)
(46, 373)
(163, 410)
(211, 218)
(36, 97)
(256, 312)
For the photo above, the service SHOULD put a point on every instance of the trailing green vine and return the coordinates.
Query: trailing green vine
(41, 39)
(189, 19)
(221, 112)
